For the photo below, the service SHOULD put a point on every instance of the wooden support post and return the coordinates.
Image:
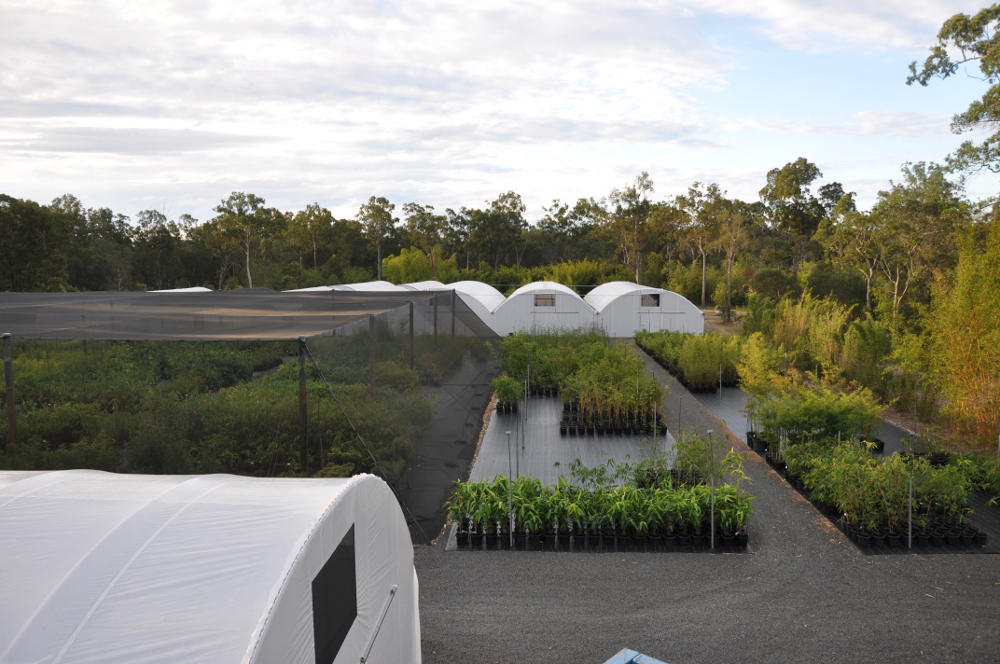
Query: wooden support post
(411, 334)
(371, 353)
(303, 410)
(8, 370)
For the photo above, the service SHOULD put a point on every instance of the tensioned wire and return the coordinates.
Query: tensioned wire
(363, 443)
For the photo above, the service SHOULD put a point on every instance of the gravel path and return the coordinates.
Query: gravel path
(806, 595)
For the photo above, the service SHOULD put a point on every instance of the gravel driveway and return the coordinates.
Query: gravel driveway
(805, 595)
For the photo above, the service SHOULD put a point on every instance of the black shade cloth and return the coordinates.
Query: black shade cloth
(250, 314)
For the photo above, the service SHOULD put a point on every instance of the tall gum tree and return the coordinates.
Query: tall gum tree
(972, 40)
(426, 229)
(791, 207)
(244, 217)
(625, 220)
(378, 223)
(703, 209)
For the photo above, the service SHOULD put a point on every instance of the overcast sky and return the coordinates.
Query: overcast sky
(174, 104)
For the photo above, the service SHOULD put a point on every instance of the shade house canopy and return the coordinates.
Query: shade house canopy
(251, 314)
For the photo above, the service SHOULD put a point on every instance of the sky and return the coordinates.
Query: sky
(173, 105)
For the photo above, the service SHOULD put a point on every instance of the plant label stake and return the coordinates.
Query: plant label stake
(711, 451)
(909, 544)
(510, 498)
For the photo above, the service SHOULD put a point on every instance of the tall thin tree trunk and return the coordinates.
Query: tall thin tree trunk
(249, 278)
(729, 291)
(704, 277)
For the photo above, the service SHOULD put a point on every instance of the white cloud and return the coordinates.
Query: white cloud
(821, 26)
(132, 104)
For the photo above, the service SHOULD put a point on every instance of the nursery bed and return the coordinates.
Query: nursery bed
(543, 446)
(985, 517)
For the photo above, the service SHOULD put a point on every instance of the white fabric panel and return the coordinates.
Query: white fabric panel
(98, 567)
(518, 312)
(620, 312)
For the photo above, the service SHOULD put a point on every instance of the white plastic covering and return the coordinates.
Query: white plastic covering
(620, 310)
(370, 286)
(425, 285)
(98, 567)
(192, 289)
(519, 312)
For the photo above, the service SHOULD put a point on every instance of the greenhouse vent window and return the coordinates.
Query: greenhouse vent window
(545, 300)
(335, 600)
(650, 299)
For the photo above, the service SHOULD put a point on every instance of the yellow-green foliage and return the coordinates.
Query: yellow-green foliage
(811, 331)
(799, 413)
(697, 357)
(585, 366)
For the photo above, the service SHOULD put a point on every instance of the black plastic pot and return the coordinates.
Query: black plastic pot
(579, 541)
(491, 541)
(564, 541)
(462, 540)
(669, 541)
(683, 540)
(519, 540)
(742, 539)
(477, 541)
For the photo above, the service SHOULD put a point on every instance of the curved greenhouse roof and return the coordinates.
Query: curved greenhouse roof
(425, 285)
(542, 305)
(545, 286)
(623, 307)
(99, 567)
(489, 296)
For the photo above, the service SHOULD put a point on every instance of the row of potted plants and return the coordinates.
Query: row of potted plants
(646, 505)
(698, 361)
(604, 386)
(570, 517)
(591, 420)
(870, 496)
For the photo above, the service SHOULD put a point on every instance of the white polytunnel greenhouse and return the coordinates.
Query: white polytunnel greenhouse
(542, 305)
(481, 298)
(100, 567)
(623, 307)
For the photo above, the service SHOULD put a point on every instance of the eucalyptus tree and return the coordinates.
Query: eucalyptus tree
(309, 230)
(378, 223)
(851, 237)
(974, 39)
(28, 254)
(791, 207)
(156, 247)
(734, 223)
(426, 229)
(916, 219)
(626, 219)
(244, 219)
(703, 209)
